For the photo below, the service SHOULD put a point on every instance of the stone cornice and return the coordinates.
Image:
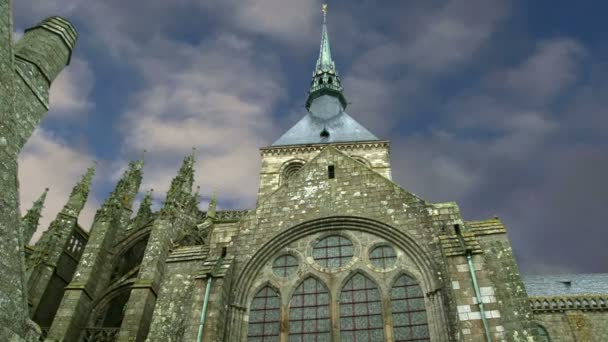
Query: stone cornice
(342, 146)
(585, 302)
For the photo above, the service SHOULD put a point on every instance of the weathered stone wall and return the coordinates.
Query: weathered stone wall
(575, 325)
(356, 191)
(274, 159)
(172, 313)
(22, 105)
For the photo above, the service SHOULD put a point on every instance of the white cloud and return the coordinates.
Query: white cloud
(71, 91)
(217, 97)
(554, 66)
(46, 161)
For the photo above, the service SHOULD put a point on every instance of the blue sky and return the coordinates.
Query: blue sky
(497, 105)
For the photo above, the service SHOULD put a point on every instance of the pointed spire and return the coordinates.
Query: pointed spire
(325, 78)
(212, 206)
(29, 222)
(182, 183)
(123, 195)
(80, 193)
(145, 210)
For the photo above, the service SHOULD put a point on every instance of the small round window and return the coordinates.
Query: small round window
(383, 256)
(333, 251)
(285, 265)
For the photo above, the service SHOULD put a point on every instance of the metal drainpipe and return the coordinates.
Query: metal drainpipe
(482, 311)
(204, 309)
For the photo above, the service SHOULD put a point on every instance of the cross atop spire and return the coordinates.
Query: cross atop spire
(325, 79)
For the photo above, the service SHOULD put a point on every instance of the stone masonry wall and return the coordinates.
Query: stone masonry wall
(21, 109)
(355, 191)
(575, 325)
(374, 154)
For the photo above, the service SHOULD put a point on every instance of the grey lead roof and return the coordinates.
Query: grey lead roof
(326, 120)
(326, 113)
(557, 284)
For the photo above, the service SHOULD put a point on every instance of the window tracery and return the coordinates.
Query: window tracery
(264, 316)
(333, 251)
(361, 310)
(409, 312)
(309, 317)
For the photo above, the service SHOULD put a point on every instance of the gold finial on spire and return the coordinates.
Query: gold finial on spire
(324, 10)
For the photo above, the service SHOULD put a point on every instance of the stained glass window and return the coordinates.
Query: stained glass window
(333, 251)
(285, 265)
(383, 256)
(264, 316)
(309, 318)
(361, 310)
(409, 313)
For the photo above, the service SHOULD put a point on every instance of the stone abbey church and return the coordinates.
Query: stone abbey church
(334, 249)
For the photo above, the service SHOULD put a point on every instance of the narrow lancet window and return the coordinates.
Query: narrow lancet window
(264, 316)
(309, 318)
(409, 313)
(361, 311)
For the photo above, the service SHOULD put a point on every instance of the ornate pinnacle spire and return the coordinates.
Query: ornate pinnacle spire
(29, 222)
(182, 183)
(125, 191)
(325, 79)
(79, 194)
(145, 210)
(212, 205)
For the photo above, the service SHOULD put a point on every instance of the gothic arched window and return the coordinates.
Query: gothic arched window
(264, 316)
(543, 334)
(409, 313)
(309, 317)
(361, 310)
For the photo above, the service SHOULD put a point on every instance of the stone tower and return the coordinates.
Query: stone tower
(334, 250)
(27, 69)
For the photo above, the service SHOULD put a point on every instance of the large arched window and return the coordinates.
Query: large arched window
(361, 310)
(264, 316)
(309, 317)
(409, 314)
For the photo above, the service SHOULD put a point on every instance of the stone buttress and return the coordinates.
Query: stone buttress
(27, 70)
(53, 261)
(178, 213)
(95, 267)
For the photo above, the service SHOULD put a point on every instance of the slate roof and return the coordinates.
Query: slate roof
(557, 284)
(327, 114)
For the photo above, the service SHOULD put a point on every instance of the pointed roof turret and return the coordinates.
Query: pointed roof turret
(79, 194)
(325, 78)
(29, 222)
(326, 120)
(211, 210)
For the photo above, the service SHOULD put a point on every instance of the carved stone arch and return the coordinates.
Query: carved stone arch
(124, 263)
(361, 160)
(409, 274)
(132, 239)
(292, 289)
(100, 304)
(261, 286)
(290, 167)
(401, 239)
(351, 274)
(422, 260)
